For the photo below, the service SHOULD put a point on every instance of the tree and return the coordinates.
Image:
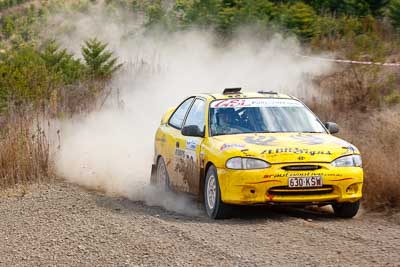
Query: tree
(394, 13)
(100, 63)
(349, 7)
(301, 19)
(203, 13)
(236, 12)
(155, 13)
(61, 62)
(377, 6)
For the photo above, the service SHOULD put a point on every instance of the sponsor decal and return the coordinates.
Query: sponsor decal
(352, 148)
(334, 174)
(295, 150)
(255, 102)
(300, 139)
(302, 174)
(190, 155)
(179, 153)
(349, 148)
(298, 174)
(308, 139)
(261, 140)
(231, 146)
(191, 144)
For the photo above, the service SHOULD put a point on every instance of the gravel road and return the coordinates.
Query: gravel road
(64, 225)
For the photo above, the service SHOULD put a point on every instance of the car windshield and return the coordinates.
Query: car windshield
(261, 115)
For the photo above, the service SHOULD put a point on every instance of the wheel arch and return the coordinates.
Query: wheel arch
(203, 173)
(154, 168)
(157, 158)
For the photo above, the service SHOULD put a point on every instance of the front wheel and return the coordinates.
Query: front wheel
(215, 208)
(346, 210)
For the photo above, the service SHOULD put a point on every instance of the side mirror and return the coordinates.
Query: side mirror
(332, 127)
(192, 130)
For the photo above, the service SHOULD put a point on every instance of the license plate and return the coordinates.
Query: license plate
(311, 181)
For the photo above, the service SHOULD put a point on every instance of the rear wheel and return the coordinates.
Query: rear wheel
(215, 208)
(161, 179)
(346, 210)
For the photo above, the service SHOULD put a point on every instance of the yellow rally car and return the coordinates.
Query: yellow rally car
(255, 148)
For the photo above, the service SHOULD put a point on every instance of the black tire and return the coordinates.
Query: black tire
(346, 210)
(216, 210)
(161, 177)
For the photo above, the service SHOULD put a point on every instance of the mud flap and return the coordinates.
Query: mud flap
(153, 174)
(200, 194)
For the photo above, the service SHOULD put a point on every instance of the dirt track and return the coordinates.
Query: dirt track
(62, 224)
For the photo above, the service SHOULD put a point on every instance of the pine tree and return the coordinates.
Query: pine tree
(100, 63)
(62, 62)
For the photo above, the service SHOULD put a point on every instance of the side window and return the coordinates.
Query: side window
(179, 115)
(197, 114)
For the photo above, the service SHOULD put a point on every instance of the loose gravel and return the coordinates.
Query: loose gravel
(61, 224)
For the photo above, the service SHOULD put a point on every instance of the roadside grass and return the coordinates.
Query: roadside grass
(376, 135)
(24, 151)
(355, 98)
(28, 138)
(40, 85)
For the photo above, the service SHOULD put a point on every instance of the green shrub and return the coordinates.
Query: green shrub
(8, 26)
(26, 78)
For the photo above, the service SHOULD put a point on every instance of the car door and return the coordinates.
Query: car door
(188, 167)
(174, 150)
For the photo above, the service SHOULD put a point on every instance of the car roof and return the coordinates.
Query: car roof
(265, 94)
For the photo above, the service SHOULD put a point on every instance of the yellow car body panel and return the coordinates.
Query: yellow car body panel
(187, 160)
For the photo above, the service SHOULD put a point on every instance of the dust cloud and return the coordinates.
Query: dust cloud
(112, 149)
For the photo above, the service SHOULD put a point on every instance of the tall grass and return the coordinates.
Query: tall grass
(24, 151)
(376, 135)
(355, 98)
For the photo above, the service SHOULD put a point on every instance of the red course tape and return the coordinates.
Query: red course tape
(351, 61)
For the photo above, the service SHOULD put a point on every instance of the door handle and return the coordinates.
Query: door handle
(177, 144)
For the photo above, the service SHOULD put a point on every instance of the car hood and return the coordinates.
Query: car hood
(285, 147)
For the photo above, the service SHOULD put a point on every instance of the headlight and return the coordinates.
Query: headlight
(348, 161)
(239, 163)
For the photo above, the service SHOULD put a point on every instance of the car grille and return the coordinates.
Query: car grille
(286, 191)
(301, 167)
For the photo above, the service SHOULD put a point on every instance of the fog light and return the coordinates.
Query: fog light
(352, 189)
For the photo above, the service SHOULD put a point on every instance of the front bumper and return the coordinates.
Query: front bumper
(247, 187)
